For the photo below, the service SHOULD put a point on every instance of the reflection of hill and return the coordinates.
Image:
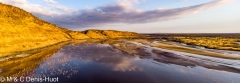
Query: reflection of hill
(103, 53)
(20, 66)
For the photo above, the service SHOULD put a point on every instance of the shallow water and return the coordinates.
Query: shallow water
(237, 42)
(227, 52)
(102, 63)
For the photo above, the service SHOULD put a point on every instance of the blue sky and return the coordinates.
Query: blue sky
(143, 16)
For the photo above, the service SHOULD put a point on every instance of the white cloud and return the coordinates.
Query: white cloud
(129, 4)
(128, 1)
(122, 12)
(51, 1)
(42, 11)
(33, 8)
(55, 5)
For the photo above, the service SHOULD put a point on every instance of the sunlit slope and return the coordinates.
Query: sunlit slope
(221, 43)
(111, 34)
(94, 34)
(77, 35)
(20, 30)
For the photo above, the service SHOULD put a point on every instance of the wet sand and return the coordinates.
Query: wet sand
(173, 46)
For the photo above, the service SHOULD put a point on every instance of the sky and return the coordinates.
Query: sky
(142, 16)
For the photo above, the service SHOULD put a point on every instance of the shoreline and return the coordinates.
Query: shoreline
(18, 54)
(185, 49)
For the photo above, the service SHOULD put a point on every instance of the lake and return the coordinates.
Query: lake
(101, 62)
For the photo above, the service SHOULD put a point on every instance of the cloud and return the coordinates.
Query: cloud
(129, 2)
(33, 8)
(42, 11)
(51, 1)
(122, 12)
(55, 5)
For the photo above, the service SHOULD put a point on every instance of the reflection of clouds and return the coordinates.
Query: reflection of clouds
(119, 63)
(184, 71)
(67, 60)
(103, 54)
(106, 55)
(56, 65)
(126, 65)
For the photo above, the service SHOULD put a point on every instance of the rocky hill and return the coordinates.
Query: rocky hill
(21, 31)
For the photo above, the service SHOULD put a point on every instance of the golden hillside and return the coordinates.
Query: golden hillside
(110, 34)
(95, 34)
(21, 30)
(77, 35)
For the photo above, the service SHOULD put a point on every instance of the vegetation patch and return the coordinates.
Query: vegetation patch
(221, 43)
(194, 51)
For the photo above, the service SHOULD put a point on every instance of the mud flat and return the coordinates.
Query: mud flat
(181, 48)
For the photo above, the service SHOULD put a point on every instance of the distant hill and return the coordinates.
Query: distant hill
(21, 31)
(102, 34)
(110, 34)
(77, 35)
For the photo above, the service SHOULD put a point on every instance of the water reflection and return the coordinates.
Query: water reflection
(22, 66)
(103, 54)
(192, 60)
(101, 63)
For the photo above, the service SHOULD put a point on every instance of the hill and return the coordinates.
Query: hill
(96, 34)
(21, 31)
